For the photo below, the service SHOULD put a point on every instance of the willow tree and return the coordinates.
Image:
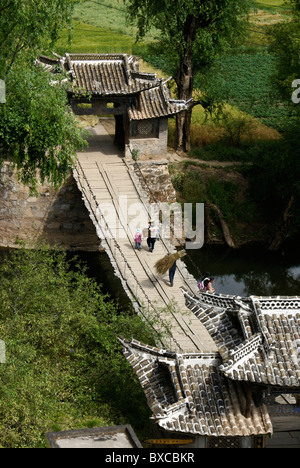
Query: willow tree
(26, 26)
(191, 33)
(38, 133)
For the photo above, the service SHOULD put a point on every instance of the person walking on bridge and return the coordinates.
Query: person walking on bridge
(172, 272)
(153, 235)
(138, 239)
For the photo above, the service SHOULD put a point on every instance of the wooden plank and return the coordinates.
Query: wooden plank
(109, 179)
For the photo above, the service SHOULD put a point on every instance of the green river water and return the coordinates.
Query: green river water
(243, 272)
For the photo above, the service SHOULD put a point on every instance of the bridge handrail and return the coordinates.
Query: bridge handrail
(150, 303)
(171, 228)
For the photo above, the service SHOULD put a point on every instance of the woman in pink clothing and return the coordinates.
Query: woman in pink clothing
(138, 239)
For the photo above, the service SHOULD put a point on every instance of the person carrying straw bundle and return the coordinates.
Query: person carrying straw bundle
(168, 263)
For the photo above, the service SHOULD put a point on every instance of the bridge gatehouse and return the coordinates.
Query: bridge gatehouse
(112, 84)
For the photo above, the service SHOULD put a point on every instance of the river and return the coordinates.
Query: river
(243, 272)
(248, 271)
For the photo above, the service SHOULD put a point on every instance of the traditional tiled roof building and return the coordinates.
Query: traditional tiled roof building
(258, 338)
(219, 398)
(188, 394)
(111, 84)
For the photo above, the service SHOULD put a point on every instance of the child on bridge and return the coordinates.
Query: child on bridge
(138, 239)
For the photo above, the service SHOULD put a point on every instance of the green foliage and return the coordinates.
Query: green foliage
(64, 367)
(280, 161)
(248, 82)
(285, 44)
(38, 132)
(212, 189)
(30, 25)
(190, 28)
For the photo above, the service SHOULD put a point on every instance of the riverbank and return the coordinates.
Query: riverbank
(236, 213)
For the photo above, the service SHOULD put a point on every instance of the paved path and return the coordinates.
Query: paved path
(111, 195)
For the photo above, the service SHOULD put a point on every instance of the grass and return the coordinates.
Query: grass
(246, 80)
(100, 27)
(110, 13)
(87, 38)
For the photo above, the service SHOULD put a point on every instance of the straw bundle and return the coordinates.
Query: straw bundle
(164, 264)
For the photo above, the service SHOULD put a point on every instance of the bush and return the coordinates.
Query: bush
(64, 367)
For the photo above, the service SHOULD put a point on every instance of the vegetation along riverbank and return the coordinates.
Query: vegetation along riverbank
(237, 150)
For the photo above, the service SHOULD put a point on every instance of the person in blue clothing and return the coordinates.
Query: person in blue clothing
(172, 272)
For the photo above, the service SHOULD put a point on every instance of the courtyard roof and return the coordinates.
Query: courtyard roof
(258, 338)
(187, 393)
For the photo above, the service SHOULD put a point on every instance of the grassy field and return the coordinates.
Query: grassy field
(87, 38)
(101, 27)
(106, 13)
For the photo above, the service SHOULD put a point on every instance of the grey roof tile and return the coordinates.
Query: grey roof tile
(263, 346)
(207, 403)
(115, 75)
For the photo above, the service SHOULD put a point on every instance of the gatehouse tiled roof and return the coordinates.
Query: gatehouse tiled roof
(116, 75)
(103, 74)
(109, 74)
(258, 338)
(187, 393)
(155, 102)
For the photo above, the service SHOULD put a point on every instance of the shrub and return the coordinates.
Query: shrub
(63, 365)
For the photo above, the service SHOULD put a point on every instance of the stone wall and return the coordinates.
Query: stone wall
(56, 217)
(155, 180)
(60, 217)
(150, 146)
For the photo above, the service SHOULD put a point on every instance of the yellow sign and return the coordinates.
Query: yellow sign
(169, 441)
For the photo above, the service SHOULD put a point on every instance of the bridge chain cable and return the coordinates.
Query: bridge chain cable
(180, 242)
(118, 247)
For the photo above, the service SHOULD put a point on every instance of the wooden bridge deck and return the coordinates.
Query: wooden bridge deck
(106, 180)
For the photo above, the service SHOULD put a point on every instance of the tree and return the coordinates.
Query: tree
(27, 25)
(64, 365)
(285, 44)
(191, 32)
(38, 132)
